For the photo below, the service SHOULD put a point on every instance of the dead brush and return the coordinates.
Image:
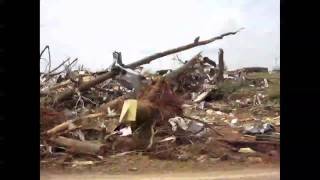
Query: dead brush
(159, 98)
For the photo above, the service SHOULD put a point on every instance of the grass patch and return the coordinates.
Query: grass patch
(262, 75)
(273, 92)
(237, 88)
(241, 89)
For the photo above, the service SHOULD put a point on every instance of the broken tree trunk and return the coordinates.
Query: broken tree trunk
(78, 146)
(55, 87)
(202, 96)
(174, 75)
(221, 67)
(142, 61)
(60, 127)
(68, 123)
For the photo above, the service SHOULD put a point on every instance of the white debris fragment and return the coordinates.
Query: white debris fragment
(82, 72)
(201, 105)
(100, 157)
(194, 95)
(265, 83)
(50, 149)
(256, 100)
(80, 134)
(219, 112)
(111, 112)
(209, 112)
(102, 125)
(170, 138)
(246, 150)
(178, 121)
(126, 131)
(81, 163)
(202, 96)
(71, 126)
(234, 123)
(186, 105)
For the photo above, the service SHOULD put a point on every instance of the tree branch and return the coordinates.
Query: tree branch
(59, 65)
(49, 54)
(148, 59)
(46, 47)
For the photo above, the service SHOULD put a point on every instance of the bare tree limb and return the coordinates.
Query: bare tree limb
(59, 65)
(148, 59)
(68, 66)
(54, 74)
(179, 59)
(49, 54)
(45, 48)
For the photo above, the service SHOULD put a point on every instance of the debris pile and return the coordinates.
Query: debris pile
(198, 111)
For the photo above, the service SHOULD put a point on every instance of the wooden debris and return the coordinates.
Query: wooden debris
(202, 96)
(76, 146)
(174, 75)
(68, 123)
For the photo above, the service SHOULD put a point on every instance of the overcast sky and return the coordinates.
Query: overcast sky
(92, 29)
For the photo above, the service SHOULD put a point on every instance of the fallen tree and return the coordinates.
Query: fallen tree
(85, 86)
(174, 75)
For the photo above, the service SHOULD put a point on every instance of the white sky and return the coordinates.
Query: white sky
(92, 29)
